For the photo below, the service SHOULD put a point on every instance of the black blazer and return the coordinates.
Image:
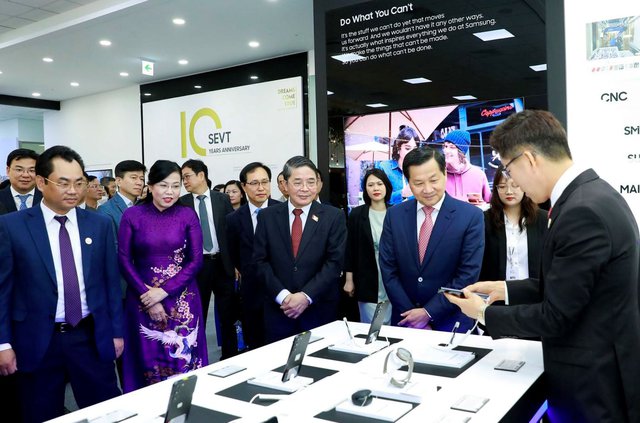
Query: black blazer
(221, 207)
(584, 306)
(7, 200)
(360, 257)
(494, 261)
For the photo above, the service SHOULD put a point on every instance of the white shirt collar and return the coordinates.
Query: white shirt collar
(252, 208)
(128, 202)
(436, 206)
(195, 196)
(50, 214)
(305, 209)
(14, 193)
(563, 182)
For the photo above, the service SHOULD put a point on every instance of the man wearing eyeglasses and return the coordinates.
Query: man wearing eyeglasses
(299, 252)
(241, 225)
(217, 274)
(22, 193)
(60, 307)
(584, 306)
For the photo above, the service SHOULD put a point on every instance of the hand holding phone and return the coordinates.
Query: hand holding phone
(458, 292)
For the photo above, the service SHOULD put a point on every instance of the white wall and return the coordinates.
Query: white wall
(30, 130)
(8, 142)
(104, 128)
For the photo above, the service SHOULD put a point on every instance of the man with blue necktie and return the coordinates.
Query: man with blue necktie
(22, 192)
(60, 307)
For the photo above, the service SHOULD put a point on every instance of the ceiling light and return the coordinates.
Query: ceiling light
(497, 34)
(197, 87)
(183, 62)
(36, 94)
(47, 59)
(539, 68)
(348, 57)
(124, 73)
(417, 80)
(0, 72)
(254, 77)
(465, 97)
(254, 44)
(105, 43)
(329, 92)
(376, 105)
(179, 21)
(147, 94)
(74, 84)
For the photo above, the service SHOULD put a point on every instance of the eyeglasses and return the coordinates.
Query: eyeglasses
(94, 186)
(255, 184)
(310, 183)
(188, 175)
(30, 171)
(505, 171)
(66, 186)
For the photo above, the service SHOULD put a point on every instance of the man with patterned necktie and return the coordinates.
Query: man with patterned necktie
(22, 192)
(60, 307)
(428, 242)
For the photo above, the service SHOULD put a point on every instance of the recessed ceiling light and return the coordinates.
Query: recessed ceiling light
(329, 92)
(183, 62)
(417, 80)
(197, 87)
(47, 59)
(254, 44)
(496, 34)
(0, 72)
(105, 43)
(348, 57)
(179, 21)
(464, 97)
(147, 94)
(74, 84)
(376, 105)
(124, 73)
(539, 68)
(36, 94)
(254, 77)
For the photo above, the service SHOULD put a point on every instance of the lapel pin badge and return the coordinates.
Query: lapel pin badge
(549, 224)
(315, 218)
(88, 241)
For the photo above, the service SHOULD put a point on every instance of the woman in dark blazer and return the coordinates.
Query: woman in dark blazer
(513, 243)
(362, 272)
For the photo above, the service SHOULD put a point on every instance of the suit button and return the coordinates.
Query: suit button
(420, 279)
(295, 268)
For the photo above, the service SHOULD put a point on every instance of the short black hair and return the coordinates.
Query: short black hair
(250, 168)
(421, 155)
(297, 162)
(380, 174)
(219, 187)
(104, 181)
(536, 129)
(44, 165)
(197, 166)
(129, 166)
(21, 153)
(280, 174)
(90, 178)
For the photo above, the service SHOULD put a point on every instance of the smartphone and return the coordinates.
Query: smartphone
(376, 322)
(458, 292)
(180, 400)
(227, 371)
(296, 355)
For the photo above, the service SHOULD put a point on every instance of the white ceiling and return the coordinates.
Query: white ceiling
(215, 36)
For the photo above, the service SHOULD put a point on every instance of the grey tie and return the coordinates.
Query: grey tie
(23, 201)
(207, 242)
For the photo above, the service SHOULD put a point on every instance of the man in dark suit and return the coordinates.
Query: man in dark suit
(217, 274)
(21, 193)
(585, 304)
(60, 307)
(241, 225)
(299, 252)
(430, 241)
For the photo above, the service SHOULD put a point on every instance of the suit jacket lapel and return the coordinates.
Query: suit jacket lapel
(444, 219)
(366, 227)
(315, 214)
(285, 232)
(586, 176)
(411, 229)
(38, 231)
(86, 242)
(502, 249)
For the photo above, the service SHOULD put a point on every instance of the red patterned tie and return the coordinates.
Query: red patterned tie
(425, 232)
(296, 231)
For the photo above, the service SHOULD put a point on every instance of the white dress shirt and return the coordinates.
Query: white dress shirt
(127, 202)
(16, 199)
(517, 263)
(253, 211)
(212, 226)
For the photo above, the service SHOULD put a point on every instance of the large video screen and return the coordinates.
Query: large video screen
(228, 128)
(382, 140)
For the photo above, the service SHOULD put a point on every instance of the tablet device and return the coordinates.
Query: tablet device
(227, 371)
(294, 362)
(458, 292)
(180, 400)
(376, 322)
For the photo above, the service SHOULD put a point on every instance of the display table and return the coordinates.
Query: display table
(513, 396)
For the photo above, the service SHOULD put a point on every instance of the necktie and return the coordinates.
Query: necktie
(23, 201)
(425, 232)
(207, 242)
(72, 306)
(296, 231)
